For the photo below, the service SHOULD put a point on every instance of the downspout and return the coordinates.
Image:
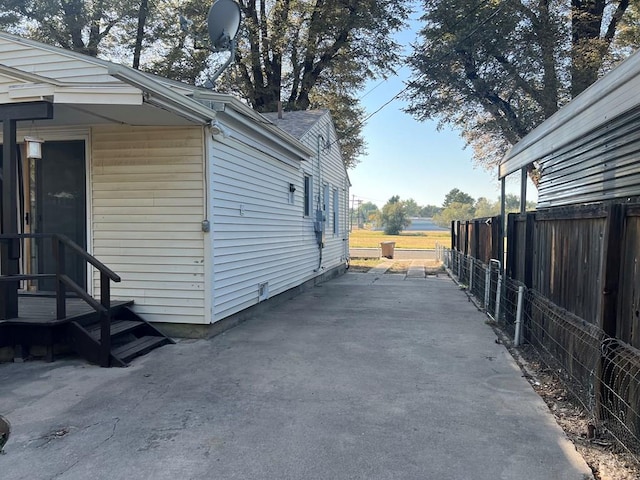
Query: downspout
(503, 221)
(319, 211)
(209, 280)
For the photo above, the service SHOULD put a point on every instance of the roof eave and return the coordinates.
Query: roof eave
(609, 97)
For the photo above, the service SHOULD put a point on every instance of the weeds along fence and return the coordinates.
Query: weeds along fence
(569, 290)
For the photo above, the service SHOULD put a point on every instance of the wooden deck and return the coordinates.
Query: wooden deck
(41, 310)
(37, 325)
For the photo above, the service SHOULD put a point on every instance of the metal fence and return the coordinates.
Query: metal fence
(602, 373)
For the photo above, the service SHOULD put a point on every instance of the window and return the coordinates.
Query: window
(325, 201)
(336, 212)
(308, 195)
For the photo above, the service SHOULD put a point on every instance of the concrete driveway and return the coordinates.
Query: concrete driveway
(367, 376)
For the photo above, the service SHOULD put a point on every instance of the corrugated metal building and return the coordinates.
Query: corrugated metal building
(589, 151)
(197, 201)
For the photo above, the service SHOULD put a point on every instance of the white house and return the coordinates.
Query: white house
(203, 206)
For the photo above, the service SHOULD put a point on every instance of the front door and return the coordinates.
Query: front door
(56, 203)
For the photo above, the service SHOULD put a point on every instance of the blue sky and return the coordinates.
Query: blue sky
(413, 159)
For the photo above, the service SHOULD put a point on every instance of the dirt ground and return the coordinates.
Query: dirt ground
(607, 459)
(363, 265)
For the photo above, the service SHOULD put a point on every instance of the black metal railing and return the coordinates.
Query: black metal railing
(61, 244)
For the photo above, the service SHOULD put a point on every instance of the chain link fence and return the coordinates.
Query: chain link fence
(602, 373)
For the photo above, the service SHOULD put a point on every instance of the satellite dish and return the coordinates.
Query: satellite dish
(223, 23)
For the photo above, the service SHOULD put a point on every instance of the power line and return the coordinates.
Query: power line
(394, 74)
(397, 95)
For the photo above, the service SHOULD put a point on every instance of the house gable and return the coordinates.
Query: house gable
(46, 61)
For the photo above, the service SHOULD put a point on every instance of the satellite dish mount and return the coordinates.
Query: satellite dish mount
(223, 24)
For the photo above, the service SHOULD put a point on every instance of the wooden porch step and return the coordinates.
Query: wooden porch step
(138, 347)
(117, 327)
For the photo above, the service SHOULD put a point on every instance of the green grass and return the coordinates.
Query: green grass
(415, 240)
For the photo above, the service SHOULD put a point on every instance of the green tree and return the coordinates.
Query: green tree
(429, 210)
(486, 208)
(495, 70)
(457, 196)
(512, 203)
(78, 25)
(393, 217)
(367, 213)
(306, 54)
(411, 207)
(628, 38)
(368, 208)
(454, 211)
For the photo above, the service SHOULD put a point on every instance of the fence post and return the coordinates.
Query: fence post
(471, 265)
(498, 295)
(528, 247)
(105, 321)
(496, 237)
(611, 266)
(516, 336)
(487, 286)
(466, 237)
(61, 294)
(476, 240)
(614, 233)
(459, 264)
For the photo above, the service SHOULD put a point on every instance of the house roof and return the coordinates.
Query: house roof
(610, 97)
(88, 90)
(296, 123)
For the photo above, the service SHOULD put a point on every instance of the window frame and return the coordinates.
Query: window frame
(307, 205)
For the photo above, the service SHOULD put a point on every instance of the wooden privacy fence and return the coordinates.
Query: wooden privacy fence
(585, 260)
(478, 238)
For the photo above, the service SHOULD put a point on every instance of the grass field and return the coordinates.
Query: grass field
(418, 240)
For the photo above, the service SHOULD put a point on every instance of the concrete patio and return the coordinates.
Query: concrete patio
(368, 376)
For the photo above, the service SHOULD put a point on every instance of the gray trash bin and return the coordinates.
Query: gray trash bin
(387, 249)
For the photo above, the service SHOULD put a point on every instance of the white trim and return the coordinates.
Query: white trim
(88, 209)
(75, 94)
(209, 273)
(66, 134)
(166, 97)
(71, 135)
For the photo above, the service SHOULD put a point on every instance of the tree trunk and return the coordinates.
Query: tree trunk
(143, 13)
(590, 42)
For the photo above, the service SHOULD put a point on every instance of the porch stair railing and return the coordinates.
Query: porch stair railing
(101, 333)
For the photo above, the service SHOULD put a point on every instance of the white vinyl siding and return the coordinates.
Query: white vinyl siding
(51, 64)
(258, 235)
(151, 187)
(333, 175)
(147, 207)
